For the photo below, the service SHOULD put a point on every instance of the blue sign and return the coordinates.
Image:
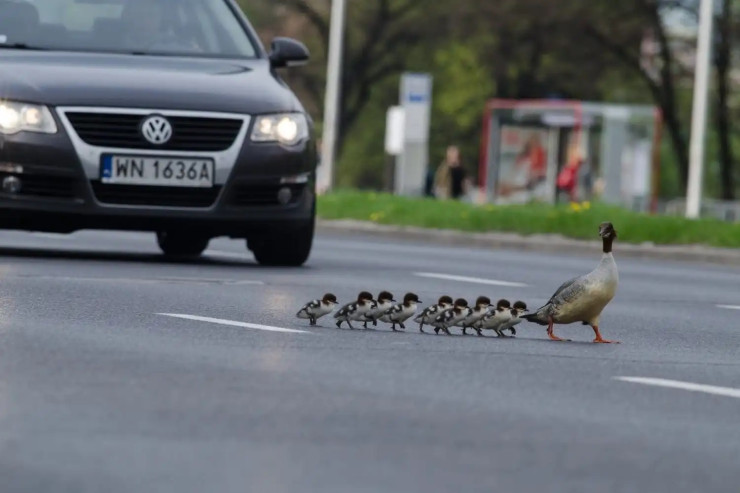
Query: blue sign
(417, 98)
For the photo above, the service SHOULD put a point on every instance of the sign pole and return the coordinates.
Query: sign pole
(699, 112)
(325, 174)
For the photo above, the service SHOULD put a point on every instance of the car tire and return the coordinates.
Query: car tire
(176, 244)
(289, 248)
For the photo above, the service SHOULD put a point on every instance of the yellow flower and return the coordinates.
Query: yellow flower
(376, 216)
(586, 205)
(575, 207)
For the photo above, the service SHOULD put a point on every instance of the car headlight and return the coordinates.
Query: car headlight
(23, 117)
(285, 128)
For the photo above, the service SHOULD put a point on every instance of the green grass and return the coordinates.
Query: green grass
(573, 221)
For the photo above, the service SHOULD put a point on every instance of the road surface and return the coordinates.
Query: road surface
(122, 372)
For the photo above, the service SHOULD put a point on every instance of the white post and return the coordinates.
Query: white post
(325, 175)
(699, 112)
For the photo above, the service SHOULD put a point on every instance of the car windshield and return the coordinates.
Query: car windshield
(207, 28)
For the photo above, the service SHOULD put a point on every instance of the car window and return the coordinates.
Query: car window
(159, 27)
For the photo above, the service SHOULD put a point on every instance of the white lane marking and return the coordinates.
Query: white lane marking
(475, 280)
(196, 280)
(204, 280)
(220, 253)
(729, 307)
(677, 384)
(234, 323)
(53, 236)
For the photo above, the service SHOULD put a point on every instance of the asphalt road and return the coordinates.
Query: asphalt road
(100, 392)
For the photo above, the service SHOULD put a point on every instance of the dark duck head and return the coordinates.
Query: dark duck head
(520, 307)
(385, 296)
(608, 234)
(502, 305)
(460, 303)
(410, 298)
(365, 297)
(482, 302)
(329, 298)
(444, 300)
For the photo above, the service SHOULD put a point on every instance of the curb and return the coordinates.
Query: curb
(537, 243)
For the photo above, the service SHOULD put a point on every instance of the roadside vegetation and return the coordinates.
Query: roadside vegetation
(577, 220)
(593, 50)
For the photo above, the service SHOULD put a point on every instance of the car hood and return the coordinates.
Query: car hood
(198, 84)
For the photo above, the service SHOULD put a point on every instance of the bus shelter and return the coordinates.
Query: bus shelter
(552, 151)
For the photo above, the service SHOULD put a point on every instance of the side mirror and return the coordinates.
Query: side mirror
(287, 52)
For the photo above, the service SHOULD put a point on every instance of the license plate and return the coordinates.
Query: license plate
(174, 172)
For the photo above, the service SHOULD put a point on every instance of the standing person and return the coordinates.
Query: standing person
(450, 181)
(567, 181)
(534, 155)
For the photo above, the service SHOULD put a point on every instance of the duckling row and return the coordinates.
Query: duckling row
(441, 316)
(580, 299)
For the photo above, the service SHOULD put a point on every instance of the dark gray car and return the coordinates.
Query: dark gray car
(153, 115)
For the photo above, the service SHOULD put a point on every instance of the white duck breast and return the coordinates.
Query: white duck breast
(450, 317)
(467, 312)
(512, 322)
(349, 312)
(315, 309)
(495, 320)
(474, 316)
(380, 308)
(361, 309)
(428, 314)
(398, 314)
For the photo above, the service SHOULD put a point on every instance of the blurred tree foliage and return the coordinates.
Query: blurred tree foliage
(585, 49)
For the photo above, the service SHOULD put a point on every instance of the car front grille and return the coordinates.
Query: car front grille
(48, 186)
(189, 133)
(154, 195)
(246, 195)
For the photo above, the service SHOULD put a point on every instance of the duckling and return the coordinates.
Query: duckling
(519, 309)
(496, 318)
(385, 302)
(450, 317)
(398, 314)
(476, 313)
(429, 313)
(315, 309)
(583, 298)
(355, 310)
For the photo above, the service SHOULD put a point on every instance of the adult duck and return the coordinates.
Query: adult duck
(583, 298)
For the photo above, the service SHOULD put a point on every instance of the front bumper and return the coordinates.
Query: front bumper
(60, 192)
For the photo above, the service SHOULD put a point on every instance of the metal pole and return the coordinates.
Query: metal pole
(325, 175)
(699, 112)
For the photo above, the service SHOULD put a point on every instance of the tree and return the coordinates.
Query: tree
(621, 29)
(722, 61)
(374, 49)
(508, 49)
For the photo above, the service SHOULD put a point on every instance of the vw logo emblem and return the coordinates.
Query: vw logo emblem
(156, 129)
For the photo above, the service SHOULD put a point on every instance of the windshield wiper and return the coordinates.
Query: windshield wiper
(21, 46)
